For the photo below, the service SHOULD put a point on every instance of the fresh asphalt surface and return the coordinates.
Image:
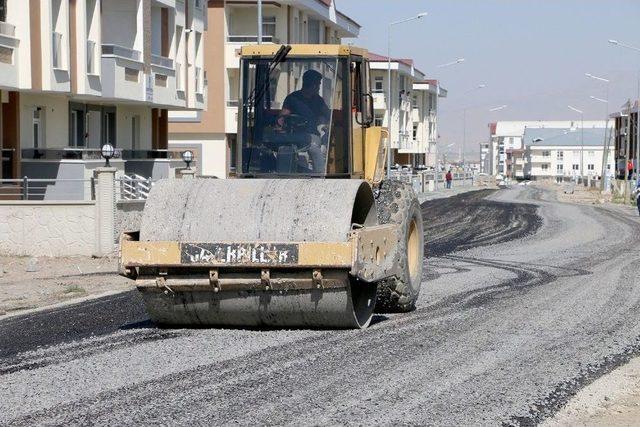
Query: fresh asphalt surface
(525, 300)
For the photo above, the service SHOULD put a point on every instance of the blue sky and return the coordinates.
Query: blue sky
(531, 54)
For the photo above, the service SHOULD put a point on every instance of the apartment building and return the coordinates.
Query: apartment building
(232, 24)
(414, 106)
(624, 140)
(506, 138)
(565, 152)
(77, 74)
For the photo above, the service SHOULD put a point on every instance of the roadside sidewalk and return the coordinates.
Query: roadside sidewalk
(442, 193)
(55, 281)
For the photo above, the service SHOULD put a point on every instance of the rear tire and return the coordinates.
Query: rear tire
(397, 204)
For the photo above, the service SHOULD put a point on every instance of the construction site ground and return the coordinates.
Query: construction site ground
(28, 283)
(528, 314)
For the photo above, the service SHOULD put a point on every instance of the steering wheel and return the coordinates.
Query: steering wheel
(295, 123)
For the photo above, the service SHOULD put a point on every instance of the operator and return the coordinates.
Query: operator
(307, 104)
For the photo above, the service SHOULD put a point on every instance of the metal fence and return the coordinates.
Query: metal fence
(47, 189)
(133, 187)
(424, 181)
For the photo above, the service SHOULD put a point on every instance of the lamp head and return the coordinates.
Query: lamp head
(187, 157)
(107, 152)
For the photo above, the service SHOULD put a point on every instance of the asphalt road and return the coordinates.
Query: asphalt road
(524, 302)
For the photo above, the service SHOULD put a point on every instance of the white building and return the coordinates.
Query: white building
(232, 24)
(569, 152)
(414, 106)
(505, 136)
(76, 74)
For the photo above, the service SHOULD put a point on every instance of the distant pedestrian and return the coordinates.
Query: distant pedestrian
(449, 177)
(629, 169)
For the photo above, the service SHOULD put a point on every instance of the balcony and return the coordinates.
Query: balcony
(235, 42)
(122, 73)
(8, 52)
(231, 116)
(165, 83)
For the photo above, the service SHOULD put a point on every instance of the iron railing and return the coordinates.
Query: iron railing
(47, 189)
(134, 187)
(251, 39)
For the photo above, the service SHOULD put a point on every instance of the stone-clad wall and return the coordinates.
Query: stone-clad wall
(47, 228)
(128, 216)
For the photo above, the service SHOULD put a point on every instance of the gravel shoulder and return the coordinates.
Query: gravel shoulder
(54, 281)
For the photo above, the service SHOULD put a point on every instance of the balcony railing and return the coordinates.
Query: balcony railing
(179, 83)
(56, 48)
(7, 29)
(251, 39)
(121, 51)
(199, 85)
(162, 61)
(91, 57)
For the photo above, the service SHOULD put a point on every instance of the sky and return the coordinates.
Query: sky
(532, 55)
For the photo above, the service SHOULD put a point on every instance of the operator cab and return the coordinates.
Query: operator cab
(301, 110)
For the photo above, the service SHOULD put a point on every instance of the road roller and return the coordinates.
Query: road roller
(307, 232)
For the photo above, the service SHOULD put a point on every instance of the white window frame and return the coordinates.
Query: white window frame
(38, 122)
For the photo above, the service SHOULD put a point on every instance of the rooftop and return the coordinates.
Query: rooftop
(593, 137)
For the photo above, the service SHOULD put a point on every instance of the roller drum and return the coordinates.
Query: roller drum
(265, 210)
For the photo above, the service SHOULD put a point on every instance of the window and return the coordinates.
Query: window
(378, 85)
(378, 119)
(38, 125)
(590, 167)
(545, 166)
(575, 167)
(135, 132)
(109, 128)
(415, 132)
(559, 167)
(3, 10)
(314, 31)
(546, 153)
(560, 155)
(591, 153)
(199, 4)
(77, 137)
(269, 29)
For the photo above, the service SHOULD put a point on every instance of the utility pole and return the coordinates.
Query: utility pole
(259, 21)
(627, 154)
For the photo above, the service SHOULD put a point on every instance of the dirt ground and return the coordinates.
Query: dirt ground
(612, 400)
(55, 280)
(573, 193)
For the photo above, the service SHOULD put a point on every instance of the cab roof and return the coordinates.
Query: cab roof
(304, 50)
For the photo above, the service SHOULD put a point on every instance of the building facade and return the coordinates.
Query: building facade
(414, 105)
(77, 74)
(232, 24)
(506, 139)
(625, 141)
(569, 152)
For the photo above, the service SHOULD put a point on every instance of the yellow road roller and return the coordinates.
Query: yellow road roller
(307, 232)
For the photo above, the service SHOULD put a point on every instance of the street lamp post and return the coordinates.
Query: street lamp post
(464, 124)
(389, 99)
(604, 184)
(637, 49)
(259, 21)
(581, 139)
